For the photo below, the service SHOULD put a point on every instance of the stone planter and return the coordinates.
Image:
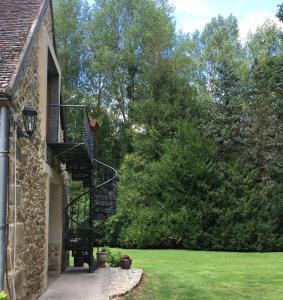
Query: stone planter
(101, 259)
(125, 263)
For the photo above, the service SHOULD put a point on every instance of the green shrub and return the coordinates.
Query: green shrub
(3, 295)
(114, 259)
(105, 249)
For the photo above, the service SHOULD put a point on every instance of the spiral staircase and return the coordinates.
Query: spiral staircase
(98, 200)
(96, 204)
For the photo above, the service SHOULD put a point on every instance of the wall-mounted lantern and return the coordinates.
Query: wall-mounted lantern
(29, 116)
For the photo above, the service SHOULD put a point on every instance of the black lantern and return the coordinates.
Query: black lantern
(29, 120)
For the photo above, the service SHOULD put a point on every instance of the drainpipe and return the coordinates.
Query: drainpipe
(4, 147)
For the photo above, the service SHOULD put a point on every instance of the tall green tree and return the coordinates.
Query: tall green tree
(70, 18)
(221, 72)
(194, 121)
(125, 42)
(264, 108)
(280, 12)
(125, 37)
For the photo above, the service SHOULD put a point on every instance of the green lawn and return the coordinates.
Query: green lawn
(181, 274)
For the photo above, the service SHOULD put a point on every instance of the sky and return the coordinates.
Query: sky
(194, 14)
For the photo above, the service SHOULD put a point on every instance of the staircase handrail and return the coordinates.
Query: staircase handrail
(67, 209)
(72, 202)
(110, 179)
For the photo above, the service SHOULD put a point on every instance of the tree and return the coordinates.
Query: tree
(220, 80)
(125, 37)
(279, 14)
(70, 17)
(264, 105)
(193, 121)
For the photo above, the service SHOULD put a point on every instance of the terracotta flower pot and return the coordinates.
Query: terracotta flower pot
(125, 263)
(101, 259)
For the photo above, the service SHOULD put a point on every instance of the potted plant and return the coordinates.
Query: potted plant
(101, 257)
(114, 259)
(125, 262)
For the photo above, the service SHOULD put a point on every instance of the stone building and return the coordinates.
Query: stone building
(32, 186)
(43, 144)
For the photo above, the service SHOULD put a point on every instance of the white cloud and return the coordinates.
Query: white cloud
(191, 25)
(192, 15)
(250, 22)
(192, 7)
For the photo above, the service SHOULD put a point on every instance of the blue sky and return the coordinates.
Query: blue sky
(194, 14)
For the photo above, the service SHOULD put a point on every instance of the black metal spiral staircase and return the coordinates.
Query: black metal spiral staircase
(98, 201)
(96, 204)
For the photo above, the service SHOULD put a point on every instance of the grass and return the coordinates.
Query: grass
(205, 275)
(202, 275)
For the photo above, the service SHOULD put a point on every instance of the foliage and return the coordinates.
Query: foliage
(192, 121)
(104, 249)
(3, 295)
(69, 22)
(114, 258)
(280, 12)
(209, 185)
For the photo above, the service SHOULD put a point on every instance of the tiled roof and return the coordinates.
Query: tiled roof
(16, 19)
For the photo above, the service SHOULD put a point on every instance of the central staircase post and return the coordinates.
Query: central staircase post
(90, 246)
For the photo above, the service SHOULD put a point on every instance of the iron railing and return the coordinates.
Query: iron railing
(102, 194)
(74, 123)
(103, 190)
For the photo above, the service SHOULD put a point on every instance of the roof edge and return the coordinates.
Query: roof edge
(53, 27)
(18, 72)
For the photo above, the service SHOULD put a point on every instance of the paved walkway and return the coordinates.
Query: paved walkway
(103, 284)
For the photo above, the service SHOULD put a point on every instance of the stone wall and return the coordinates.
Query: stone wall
(31, 190)
(47, 22)
(65, 255)
(54, 259)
